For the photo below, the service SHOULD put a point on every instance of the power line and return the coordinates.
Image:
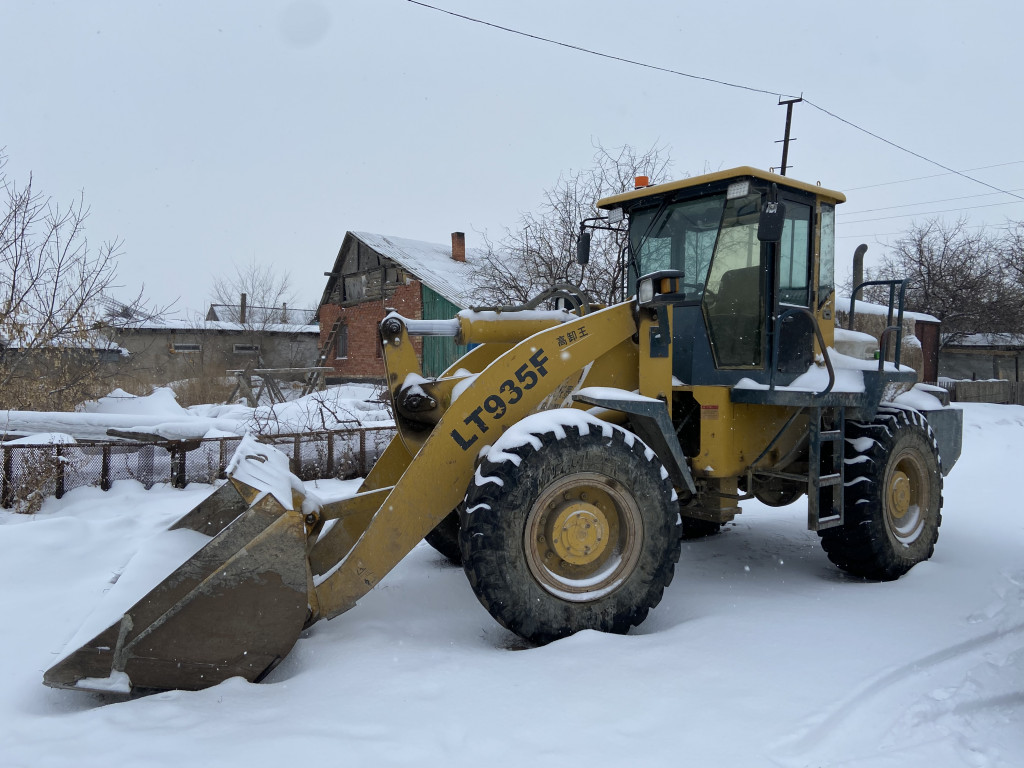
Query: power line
(932, 176)
(910, 151)
(714, 81)
(863, 237)
(904, 232)
(932, 213)
(928, 202)
(597, 53)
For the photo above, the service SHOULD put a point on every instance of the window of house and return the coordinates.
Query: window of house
(341, 343)
(181, 348)
(246, 349)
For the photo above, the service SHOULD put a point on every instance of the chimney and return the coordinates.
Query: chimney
(459, 246)
(241, 309)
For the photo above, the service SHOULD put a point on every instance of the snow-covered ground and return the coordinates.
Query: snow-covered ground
(760, 654)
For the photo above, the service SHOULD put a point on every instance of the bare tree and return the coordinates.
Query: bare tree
(259, 297)
(540, 249)
(960, 276)
(268, 295)
(54, 305)
(1012, 252)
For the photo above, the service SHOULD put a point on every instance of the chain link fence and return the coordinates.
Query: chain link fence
(31, 473)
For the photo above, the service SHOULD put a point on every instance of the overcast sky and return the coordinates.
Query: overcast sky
(207, 134)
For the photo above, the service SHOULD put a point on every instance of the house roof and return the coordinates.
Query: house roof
(257, 315)
(215, 326)
(430, 263)
(990, 340)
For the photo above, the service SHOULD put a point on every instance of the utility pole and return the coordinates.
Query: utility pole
(785, 141)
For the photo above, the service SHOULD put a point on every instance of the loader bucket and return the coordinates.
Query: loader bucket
(234, 608)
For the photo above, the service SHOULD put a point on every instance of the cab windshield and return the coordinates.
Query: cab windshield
(683, 236)
(713, 242)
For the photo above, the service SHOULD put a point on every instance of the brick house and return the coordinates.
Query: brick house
(375, 273)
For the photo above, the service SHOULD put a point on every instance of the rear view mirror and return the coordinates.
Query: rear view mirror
(771, 222)
(583, 249)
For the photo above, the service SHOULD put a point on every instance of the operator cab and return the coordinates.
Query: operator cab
(746, 298)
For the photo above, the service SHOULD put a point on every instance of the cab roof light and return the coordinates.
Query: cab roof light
(738, 189)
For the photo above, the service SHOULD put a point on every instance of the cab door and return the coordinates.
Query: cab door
(794, 261)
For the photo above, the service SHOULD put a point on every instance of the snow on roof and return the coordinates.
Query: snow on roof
(431, 263)
(989, 340)
(867, 308)
(89, 341)
(174, 324)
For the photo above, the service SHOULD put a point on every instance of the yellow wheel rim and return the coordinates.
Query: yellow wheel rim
(582, 536)
(906, 497)
(579, 532)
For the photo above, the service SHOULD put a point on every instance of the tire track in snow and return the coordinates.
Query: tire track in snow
(836, 730)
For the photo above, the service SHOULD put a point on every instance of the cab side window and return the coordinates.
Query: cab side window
(795, 256)
(826, 263)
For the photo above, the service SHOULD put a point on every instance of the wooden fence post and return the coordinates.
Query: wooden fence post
(178, 477)
(59, 490)
(105, 467)
(362, 452)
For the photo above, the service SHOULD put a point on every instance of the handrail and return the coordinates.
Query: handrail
(890, 326)
(821, 345)
(883, 344)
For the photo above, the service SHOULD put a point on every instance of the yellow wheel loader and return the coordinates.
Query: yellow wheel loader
(564, 457)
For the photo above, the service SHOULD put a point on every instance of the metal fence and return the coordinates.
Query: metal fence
(36, 471)
(995, 391)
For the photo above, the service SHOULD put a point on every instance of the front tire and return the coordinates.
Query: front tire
(893, 497)
(575, 529)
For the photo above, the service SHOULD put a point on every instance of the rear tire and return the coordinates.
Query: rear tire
(581, 533)
(893, 497)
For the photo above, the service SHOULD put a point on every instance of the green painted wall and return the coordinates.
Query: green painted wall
(439, 352)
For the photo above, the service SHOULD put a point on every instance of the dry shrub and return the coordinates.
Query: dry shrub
(39, 468)
(201, 390)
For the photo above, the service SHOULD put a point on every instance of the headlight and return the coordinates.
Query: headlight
(738, 189)
(645, 291)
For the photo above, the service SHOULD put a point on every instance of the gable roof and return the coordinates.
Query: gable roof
(430, 263)
(1001, 341)
(201, 325)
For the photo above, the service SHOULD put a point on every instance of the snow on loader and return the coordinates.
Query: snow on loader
(563, 458)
